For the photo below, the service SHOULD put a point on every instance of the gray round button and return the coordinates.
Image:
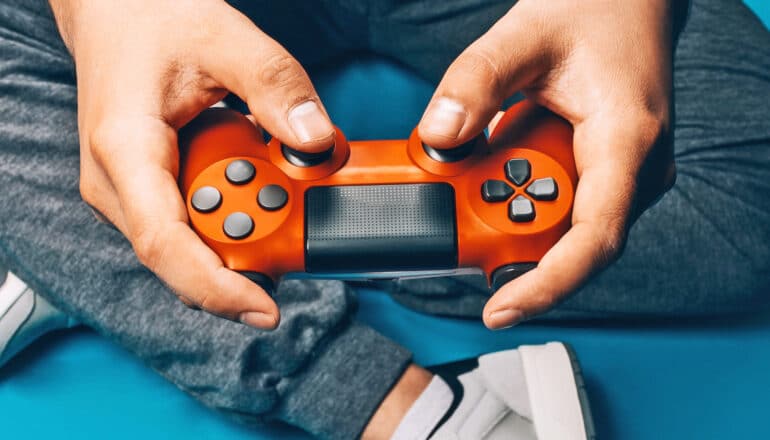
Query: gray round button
(238, 225)
(272, 197)
(206, 199)
(240, 172)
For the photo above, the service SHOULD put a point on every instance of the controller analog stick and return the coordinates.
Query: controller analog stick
(449, 155)
(304, 159)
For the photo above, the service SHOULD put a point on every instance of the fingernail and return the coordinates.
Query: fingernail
(445, 117)
(309, 123)
(505, 318)
(258, 320)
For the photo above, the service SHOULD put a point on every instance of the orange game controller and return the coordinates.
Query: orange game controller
(379, 209)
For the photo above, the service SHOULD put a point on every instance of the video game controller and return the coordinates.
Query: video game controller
(379, 209)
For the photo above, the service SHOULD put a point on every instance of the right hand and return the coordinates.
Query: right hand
(144, 69)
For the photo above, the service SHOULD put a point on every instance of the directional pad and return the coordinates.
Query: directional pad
(521, 210)
(518, 171)
(495, 191)
(543, 189)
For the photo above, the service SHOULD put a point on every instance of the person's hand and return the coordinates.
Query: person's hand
(605, 66)
(144, 69)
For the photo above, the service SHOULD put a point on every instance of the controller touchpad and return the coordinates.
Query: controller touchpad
(380, 227)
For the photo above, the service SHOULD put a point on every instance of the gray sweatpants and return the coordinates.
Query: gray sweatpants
(704, 249)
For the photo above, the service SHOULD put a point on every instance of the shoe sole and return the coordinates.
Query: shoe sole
(560, 406)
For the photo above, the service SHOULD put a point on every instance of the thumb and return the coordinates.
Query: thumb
(502, 61)
(278, 91)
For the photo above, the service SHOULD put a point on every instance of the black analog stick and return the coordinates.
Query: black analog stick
(304, 159)
(449, 155)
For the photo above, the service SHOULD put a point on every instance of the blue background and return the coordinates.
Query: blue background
(663, 380)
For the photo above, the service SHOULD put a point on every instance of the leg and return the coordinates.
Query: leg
(49, 238)
(313, 32)
(702, 249)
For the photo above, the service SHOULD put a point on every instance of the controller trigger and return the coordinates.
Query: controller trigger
(508, 272)
(260, 279)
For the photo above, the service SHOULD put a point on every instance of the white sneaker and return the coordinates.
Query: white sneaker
(24, 316)
(557, 394)
(535, 392)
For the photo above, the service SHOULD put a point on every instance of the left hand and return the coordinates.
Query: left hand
(605, 66)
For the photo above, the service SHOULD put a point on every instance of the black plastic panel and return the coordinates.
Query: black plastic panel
(380, 228)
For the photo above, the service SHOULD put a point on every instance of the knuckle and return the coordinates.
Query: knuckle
(207, 303)
(102, 138)
(542, 303)
(88, 190)
(188, 302)
(281, 71)
(480, 65)
(213, 304)
(652, 127)
(149, 247)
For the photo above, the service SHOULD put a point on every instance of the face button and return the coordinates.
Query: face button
(517, 171)
(495, 191)
(521, 210)
(206, 199)
(272, 197)
(303, 159)
(543, 189)
(449, 155)
(238, 225)
(240, 172)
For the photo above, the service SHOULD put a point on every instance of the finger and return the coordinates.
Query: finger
(602, 206)
(273, 84)
(506, 59)
(495, 120)
(253, 120)
(140, 156)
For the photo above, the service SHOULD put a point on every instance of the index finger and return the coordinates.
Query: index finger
(142, 164)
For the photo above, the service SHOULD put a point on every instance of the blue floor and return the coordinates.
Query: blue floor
(704, 380)
(665, 380)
